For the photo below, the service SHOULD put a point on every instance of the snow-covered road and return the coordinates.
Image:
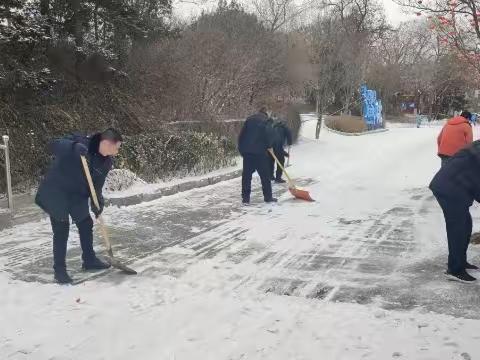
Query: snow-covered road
(357, 274)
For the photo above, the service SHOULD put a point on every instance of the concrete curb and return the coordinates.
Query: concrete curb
(357, 133)
(172, 190)
(28, 211)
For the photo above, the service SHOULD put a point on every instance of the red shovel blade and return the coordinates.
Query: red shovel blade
(300, 194)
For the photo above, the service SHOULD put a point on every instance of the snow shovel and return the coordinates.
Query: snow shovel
(111, 259)
(296, 192)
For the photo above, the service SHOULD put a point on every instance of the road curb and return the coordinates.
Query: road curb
(368, 132)
(32, 212)
(172, 190)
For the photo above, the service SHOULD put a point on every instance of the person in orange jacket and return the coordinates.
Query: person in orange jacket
(455, 135)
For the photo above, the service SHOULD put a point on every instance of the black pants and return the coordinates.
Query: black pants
(260, 164)
(459, 230)
(60, 238)
(280, 154)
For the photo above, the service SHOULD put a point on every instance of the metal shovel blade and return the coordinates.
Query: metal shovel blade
(117, 264)
(300, 194)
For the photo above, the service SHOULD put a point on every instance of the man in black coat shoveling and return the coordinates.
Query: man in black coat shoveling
(253, 143)
(456, 185)
(281, 136)
(64, 193)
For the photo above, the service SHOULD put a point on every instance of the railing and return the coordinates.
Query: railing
(7, 171)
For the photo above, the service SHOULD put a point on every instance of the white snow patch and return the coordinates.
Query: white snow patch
(140, 187)
(121, 179)
(163, 318)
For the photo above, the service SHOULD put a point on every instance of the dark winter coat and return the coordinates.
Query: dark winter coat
(255, 137)
(282, 135)
(64, 191)
(459, 178)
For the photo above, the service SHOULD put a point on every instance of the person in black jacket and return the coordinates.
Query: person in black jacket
(253, 143)
(64, 193)
(282, 135)
(455, 186)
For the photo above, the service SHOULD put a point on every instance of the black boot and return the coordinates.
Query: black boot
(280, 181)
(271, 200)
(61, 276)
(469, 266)
(462, 276)
(95, 264)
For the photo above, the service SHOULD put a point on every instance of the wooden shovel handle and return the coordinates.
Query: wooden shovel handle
(93, 194)
(291, 184)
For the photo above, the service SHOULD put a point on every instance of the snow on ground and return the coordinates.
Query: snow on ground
(357, 274)
(127, 184)
(121, 179)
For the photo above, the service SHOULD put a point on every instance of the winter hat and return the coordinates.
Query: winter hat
(466, 114)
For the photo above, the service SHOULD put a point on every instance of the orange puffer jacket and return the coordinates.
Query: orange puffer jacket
(455, 135)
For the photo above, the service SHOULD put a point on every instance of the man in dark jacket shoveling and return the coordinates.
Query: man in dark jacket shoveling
(64, 193)
(456, 186)
(253, 143)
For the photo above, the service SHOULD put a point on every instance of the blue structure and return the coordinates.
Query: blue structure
(474, 119)
(372, 108)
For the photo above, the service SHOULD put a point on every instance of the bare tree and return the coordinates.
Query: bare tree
(278, 14)
(324, 57)
(457, 24)
(273, 13)
(340, 41)
(409, 60)
(227, 62)
(358, 16)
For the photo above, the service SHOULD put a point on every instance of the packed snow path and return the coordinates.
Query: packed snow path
(221, 281)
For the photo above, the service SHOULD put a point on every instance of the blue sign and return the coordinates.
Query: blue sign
(372, 108)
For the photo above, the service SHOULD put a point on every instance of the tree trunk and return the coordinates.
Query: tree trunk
(77, 23)
(45, 11)
(95, 21)
(120, 43)
(104, 32)
(346, 108)
(319, 121)
(45, 7)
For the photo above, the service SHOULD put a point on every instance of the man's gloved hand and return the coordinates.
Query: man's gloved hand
(96, 211)
(80, 149)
